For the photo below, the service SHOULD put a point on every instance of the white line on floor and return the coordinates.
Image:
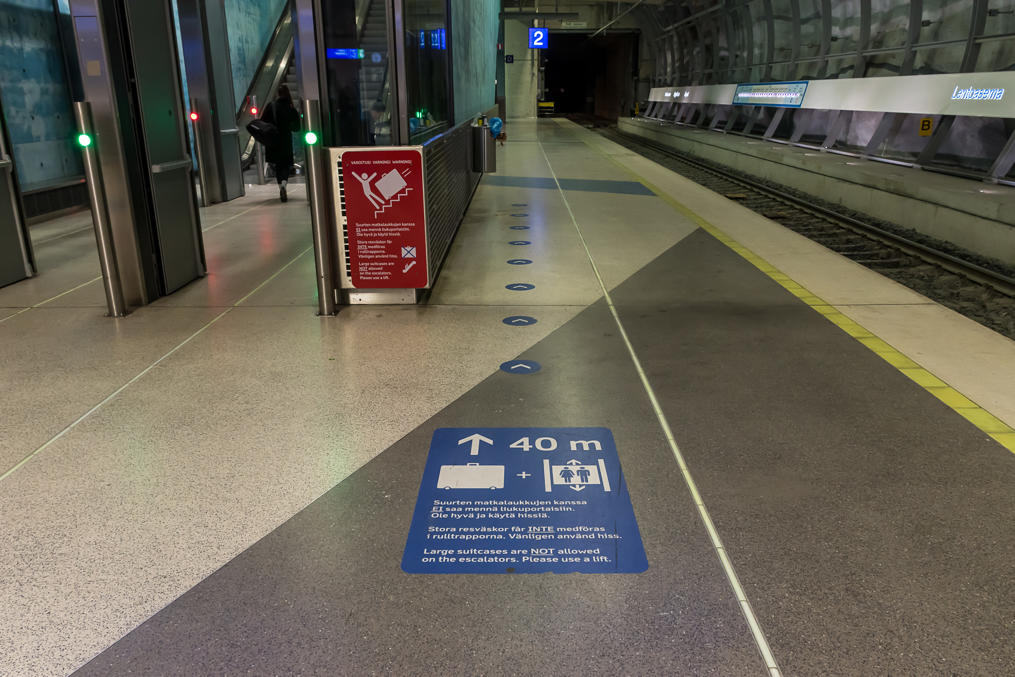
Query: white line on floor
(96, 279)
(234, 216)
(52, 298)
(147, 369)
(713, 534)
(36, 243)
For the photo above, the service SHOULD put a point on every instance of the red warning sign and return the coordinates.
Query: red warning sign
(385, 217)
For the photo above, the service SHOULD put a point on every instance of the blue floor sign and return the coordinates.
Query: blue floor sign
(520, 367)
(523, 500)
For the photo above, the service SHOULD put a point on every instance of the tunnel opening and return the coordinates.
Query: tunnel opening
(588, 76)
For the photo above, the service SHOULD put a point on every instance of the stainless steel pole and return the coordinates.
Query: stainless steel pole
(202, 164)
(100, 213)
(258, 149)
(318, 213)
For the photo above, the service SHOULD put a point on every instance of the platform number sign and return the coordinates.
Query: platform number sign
(539, 38)
(926, 126)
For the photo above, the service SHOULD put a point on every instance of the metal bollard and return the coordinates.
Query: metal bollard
(318, 212)
(100, 213)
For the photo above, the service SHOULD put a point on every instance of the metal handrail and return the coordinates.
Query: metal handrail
(361, 16)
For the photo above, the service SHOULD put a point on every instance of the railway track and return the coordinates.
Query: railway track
(958, 280)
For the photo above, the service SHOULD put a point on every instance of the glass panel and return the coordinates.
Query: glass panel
(738, 59)
(357, 72)
(904, 141)
(788, 124)
(783, 71)
(754, 19)
(810, 30)
(845, 27)
(1003, 18)
(889, 23)
(996, 55)
(945, 20)
(885, 64)
(859, 131)
(841, 67)
(782, 17)
(426, 67)
(973, 143)
(815, 123)
(939, 60)
(694, 53)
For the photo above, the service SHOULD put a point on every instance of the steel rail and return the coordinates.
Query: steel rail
(954, 264)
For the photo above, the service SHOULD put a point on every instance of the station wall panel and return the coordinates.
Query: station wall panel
(250, 27)
(36, 99)
(474, 28)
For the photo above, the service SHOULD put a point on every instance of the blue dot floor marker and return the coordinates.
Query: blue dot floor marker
(521, 367)
(518, 243)
(520, 227)
(519, 262)
(520, 286)
(519, 320)
(520, 204)
(523, 501)
(519, 215)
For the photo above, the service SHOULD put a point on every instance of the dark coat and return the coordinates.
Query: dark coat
(285, 118)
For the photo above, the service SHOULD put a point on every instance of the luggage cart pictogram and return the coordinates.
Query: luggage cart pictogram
(471, 476)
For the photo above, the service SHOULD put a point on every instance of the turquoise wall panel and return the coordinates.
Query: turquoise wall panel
(250, 27)
(474, 28)
(36, 100)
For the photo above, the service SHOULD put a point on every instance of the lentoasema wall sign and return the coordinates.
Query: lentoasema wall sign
(980, 94)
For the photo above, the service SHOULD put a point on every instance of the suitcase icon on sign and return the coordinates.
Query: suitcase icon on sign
(471, 476)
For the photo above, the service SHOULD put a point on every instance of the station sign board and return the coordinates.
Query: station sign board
(539, 38)
(775, 94)
(523, 501)
(385, 217)
(985, 94)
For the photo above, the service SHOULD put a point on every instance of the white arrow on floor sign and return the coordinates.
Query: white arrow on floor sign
(475, 439)
(520, 366)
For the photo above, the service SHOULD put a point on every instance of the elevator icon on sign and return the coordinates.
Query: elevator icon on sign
(575, 475)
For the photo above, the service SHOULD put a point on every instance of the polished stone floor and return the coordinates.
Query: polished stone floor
(223, 482)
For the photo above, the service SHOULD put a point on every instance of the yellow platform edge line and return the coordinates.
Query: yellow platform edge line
(986, 422)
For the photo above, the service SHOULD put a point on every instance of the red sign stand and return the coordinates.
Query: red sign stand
(385, 217)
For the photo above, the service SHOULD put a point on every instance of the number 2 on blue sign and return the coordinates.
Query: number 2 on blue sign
(538, 38)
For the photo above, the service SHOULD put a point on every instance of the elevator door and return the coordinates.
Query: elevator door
(160, 109)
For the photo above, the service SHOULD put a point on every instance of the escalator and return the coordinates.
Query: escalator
(278, 67)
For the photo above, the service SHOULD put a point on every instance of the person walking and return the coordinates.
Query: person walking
(279, 152)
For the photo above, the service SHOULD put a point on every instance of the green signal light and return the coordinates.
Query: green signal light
(84, 140)
(310, 138)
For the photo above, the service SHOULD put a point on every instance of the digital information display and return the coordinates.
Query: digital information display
(524, 501)
(539, 38)
(344, 53)
(779, 94)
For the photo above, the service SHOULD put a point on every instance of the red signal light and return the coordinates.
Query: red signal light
(193, 117)
(253, 111)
